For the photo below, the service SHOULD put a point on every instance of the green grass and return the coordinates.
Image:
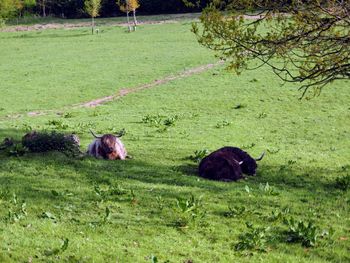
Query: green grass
(71, 66)
(307, 145)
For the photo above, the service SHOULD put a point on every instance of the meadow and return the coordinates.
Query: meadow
(154, 207)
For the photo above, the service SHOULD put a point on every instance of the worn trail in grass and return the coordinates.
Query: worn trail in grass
(56, 68)
(130, 211)
(122, 92)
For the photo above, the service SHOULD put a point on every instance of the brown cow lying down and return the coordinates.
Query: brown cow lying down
(228, 164)
(108, 146)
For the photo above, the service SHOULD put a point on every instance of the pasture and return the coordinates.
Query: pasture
(154, 207)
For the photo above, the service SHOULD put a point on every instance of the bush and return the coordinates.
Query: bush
(51, 141)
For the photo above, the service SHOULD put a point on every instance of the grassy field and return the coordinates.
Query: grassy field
(154, 208)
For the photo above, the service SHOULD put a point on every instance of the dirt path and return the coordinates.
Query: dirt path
(75, 25)
(123, 92)
(66, 25)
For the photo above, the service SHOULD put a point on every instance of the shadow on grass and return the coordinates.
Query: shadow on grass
(34, 174)
(29, 169)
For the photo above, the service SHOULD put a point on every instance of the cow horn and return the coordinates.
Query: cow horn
(240, 163)
(260, 157)
(93, 134)
(120, 133)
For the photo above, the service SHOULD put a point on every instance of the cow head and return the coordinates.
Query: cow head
(108, 142)
(248, 165)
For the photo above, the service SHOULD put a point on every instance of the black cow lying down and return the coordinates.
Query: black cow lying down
(228, 164)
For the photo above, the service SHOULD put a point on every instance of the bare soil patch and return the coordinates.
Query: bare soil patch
(37, 27)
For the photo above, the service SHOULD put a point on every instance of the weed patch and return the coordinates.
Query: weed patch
(198, 155)
(190, 212)
(255, 239)
(304, 232)
(343, 182)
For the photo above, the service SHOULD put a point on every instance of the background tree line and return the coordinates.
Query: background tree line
(75, 8)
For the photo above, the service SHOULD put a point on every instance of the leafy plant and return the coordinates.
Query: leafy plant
(106, 192)
(17, 150)
(133, 198)
(247, 189)
(17, 210)
(267, 189)
(154, 259)
(262, 115)
(160, 121)
(153, 120)
(83, 126)
(279, 214)
(306, 233)
(160, 202)
(291, 162)
(223, 124)
(199, 155)
(65, 193)
(170, 121)
(56, 251)
(48, 215)
(26, 127)
(191, 211)
(103, 217)
(273, 150)
(343, 182)
(58, 124)
(107, 215)
(256, 238)
(235, 211)
(248, 146)
(4, 193)
(163, 129)
(6, 143)
(68, 115)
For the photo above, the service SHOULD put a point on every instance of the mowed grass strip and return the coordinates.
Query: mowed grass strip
(128, 211)
(55, 68)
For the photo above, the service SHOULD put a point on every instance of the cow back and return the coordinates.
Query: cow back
(249, 164)
(218, 166)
